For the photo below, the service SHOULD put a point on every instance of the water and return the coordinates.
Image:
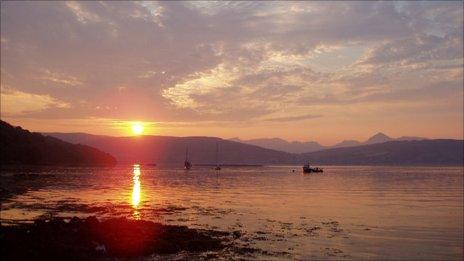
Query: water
(345, 213)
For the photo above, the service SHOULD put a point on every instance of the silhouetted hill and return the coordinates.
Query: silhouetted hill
(283, 145)
(311, 146)
(419, 152)
(19, 146)
(346, 143)
(378, 138)
(171, 150)
(410, 138)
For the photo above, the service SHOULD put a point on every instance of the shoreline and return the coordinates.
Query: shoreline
(90, 238)
(93, 239)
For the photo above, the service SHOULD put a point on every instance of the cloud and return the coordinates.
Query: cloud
(419, 48)
(227, 61)
(81, 14)
(204, 82)
(293, 118)
(19, 103)
(61, 79)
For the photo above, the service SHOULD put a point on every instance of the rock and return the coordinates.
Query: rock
(101, 249)
(84, 239)
(236, 234)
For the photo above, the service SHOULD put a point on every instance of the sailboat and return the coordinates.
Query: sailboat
(217, 162)
(187, 163)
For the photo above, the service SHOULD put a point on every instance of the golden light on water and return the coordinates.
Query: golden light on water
(136, 190)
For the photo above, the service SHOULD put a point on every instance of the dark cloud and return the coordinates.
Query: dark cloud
(418, 48)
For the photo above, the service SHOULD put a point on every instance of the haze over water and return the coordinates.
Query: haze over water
(346, 212)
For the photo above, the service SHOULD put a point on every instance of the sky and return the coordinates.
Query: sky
(320, 71)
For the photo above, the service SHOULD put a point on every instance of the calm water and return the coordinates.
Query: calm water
(346, 212)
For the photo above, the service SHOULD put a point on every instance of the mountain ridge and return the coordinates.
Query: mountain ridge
(439, 152)
(311, 146)
(171, 150)
(283, 145)
(379, 137)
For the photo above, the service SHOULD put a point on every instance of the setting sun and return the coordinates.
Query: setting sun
(137, 128)
(167, 129)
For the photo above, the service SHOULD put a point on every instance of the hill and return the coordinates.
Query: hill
(416, 152)
(283, 145)
(378, 138)
(171, 150)
(19, 146)
(346, 143)
(311, 146)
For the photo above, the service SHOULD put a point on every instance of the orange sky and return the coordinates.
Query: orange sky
(244, 69)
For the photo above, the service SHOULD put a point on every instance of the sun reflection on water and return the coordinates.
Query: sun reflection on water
(136, 191)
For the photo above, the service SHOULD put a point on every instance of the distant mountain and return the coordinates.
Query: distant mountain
(378, 138)
(171, 150)
(19, 146)
(410, 138)
(283, 145)
(311, 146)
(419, 152)
(347, 143)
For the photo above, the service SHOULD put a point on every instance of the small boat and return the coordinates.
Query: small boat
(187, 163)
(308, 169)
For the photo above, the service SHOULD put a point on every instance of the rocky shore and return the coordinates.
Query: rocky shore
(90, 239)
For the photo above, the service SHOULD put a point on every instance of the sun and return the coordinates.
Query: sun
(137, 128)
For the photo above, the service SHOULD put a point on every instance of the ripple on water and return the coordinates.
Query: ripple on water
(346, 212)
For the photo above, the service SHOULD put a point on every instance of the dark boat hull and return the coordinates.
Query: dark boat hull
(187, 165)
(312, 170)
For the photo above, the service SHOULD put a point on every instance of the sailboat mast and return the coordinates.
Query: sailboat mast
(217, 152)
